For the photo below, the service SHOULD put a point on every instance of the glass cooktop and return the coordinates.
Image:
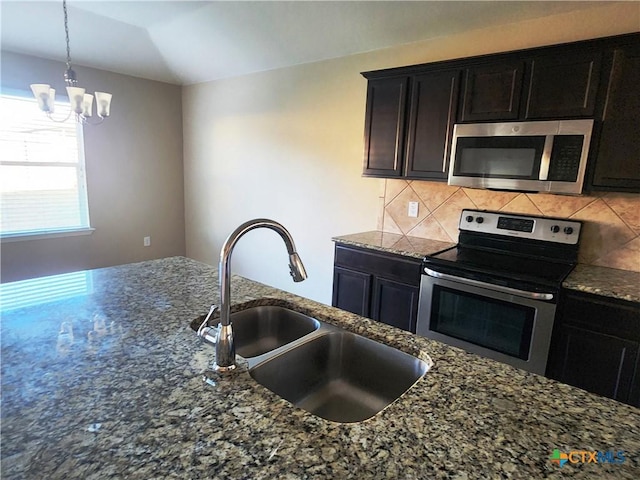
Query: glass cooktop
(501, 268)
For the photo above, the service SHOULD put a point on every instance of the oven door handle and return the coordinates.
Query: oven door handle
(498, 288)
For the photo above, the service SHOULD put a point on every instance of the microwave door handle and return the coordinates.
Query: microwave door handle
(545, 161)
(497, 288)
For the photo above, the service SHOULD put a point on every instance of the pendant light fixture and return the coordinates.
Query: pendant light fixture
(81, 103)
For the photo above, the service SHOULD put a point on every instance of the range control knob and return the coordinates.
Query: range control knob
(479, 219)
(555, 228)
(469, 218)
(568, 230)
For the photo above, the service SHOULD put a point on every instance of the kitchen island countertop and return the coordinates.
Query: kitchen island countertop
(107, 383)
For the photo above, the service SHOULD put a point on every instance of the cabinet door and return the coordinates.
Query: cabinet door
(618, 156)
(563, 85)
(385, 127)
(492, 92)
(351, 291)
(434, 99)
(595, 362)
(395, 304)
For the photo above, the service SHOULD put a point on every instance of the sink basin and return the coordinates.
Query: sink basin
(340, 376)
(259, 330)
(319, 367)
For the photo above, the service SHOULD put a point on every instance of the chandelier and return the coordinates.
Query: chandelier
(81, 103)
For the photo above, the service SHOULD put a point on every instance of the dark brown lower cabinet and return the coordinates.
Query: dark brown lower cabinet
(596, 346)
(352, 291)
(395, 303)
(377, 285)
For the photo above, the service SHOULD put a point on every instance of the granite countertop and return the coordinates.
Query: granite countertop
(393, 243)
(107, 383)
(609, 282)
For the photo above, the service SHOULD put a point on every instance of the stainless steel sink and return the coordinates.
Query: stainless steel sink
(339, 376)
(319, 367)
(259, 330)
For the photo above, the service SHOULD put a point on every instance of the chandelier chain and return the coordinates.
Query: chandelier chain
(66, 32)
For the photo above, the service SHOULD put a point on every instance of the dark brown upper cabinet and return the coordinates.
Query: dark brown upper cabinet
(563, 86)
(434, 100)
(384, 126)
(617, 161)
(408, 125)
(411, 111)
(492, 92)
(543, 87)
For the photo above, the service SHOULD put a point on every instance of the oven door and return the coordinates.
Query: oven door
(501, 323)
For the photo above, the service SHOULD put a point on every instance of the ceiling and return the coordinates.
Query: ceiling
(186, 42)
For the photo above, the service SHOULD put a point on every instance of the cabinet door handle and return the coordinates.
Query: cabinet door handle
(448, 135)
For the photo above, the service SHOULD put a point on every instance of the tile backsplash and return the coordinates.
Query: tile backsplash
(610, 237)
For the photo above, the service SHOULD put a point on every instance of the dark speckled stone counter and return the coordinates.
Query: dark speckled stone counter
(609, 282)
(107, 384)
(394, 243)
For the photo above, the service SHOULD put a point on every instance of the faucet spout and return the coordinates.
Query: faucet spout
(297, 271)
(225, 347)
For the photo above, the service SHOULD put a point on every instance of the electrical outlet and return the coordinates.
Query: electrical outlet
(147, 241)
(413, 209)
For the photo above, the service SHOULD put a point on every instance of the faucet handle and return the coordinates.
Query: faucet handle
(206, 332)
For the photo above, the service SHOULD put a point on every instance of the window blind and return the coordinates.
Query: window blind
(42, 176)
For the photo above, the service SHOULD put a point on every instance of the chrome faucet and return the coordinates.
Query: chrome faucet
(225, 347)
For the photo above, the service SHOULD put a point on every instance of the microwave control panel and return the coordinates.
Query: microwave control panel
(557, 230)
(565, 158)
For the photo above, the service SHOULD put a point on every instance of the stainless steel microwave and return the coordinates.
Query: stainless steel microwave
(525, 156)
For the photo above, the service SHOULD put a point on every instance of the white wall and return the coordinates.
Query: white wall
(274, 145)
(287, 144)
(134, 174)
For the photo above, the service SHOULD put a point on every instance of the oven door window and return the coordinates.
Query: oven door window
(499, 157)
(494, 324)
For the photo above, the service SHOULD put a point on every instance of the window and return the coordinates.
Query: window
(42, 176)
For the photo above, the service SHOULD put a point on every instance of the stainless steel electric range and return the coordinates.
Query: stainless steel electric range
(495, 293)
